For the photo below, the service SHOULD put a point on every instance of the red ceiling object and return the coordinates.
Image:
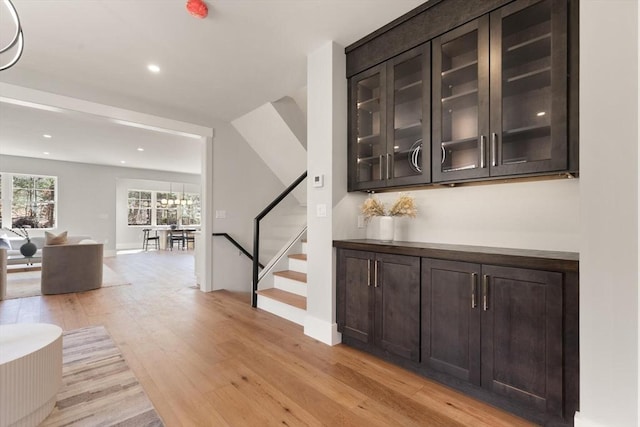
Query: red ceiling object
(197, 8)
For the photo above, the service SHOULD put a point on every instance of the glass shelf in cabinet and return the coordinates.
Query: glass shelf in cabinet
(527, 82)
(410, 92)
(464, 99)
(369, 139)
(462, 74)
(528, 51)
(371, 105)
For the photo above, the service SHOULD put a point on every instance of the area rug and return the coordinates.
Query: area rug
(27, 283)
(98, 388)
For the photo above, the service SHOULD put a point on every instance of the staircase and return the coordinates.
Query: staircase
(288, 296)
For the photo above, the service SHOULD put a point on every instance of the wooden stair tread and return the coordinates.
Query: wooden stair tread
(302, 257)
(293, 275)
(284, 297)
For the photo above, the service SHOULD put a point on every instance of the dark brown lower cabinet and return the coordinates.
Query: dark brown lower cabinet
(496, 327)
(498, 324)
(378, 301)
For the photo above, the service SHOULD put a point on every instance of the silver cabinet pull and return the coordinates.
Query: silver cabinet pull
(375, 274)
(485, 292)
(368, 272)
(474, 285)
(380, 166)
(483, 152)
(494, 149)
(388, 166)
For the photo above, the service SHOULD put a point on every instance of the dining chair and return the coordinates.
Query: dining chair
(146, 236)
(176, 236)
(189, 237)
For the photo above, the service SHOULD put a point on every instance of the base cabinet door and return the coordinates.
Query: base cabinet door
(497, 327)
(397, 305)
(354, 304)
(451, 318)
(522, 336)
(378, 301)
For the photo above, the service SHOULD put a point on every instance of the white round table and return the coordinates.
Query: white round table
(30, 372)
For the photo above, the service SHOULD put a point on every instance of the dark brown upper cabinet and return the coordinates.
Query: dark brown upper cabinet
(500, 94)
(389, 111)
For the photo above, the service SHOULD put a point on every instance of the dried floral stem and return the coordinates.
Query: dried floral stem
(404, 206)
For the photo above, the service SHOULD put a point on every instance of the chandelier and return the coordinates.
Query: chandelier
(17, 41)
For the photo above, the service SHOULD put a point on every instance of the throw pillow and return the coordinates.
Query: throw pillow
(5, 243)
(51, 239)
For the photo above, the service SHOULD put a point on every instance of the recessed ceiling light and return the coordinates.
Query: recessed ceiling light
(140, 149)
(45, 152)
(153, 68)
(123, 162)
(541, 113)
(46, 135)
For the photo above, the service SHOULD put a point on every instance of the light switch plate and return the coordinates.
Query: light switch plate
(221, 214)
(318, 180)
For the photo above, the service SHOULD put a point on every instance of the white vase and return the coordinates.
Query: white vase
(386, 228)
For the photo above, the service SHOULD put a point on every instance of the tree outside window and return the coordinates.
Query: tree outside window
(166, 209)
(139, 203)
(190, 209)
(33, 202)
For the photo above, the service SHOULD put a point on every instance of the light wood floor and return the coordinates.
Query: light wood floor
(209, 359)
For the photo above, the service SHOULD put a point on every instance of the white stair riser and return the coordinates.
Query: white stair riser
(299, 265)
(291, 313)
(290, 285)
(304, 247)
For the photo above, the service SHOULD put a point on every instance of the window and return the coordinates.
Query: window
(139, 203)
(190, 209)
(146, 207)
(166, 209)
(34, 200)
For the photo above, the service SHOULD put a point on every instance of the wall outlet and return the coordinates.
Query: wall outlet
(321, 210)
(221, 214)
(360, 221)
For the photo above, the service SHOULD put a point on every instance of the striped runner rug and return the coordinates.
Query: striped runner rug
(98, 388)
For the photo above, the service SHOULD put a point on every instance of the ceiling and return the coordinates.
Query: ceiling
(244, 54)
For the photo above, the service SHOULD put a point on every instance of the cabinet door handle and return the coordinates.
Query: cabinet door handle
(483, 152)
(474, 285)
(485, 292)
(375, 274)
(388, 166)
(380, 166)
(494, 149)
(368, 272)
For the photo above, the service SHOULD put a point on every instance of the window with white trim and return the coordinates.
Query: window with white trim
(32, 203)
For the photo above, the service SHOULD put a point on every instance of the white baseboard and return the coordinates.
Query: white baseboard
(322, 331)
(580, 421)
(109, 253)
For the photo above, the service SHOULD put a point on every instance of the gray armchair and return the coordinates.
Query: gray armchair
(71, 268)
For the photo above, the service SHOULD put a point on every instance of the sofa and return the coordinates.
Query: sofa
(74, 266)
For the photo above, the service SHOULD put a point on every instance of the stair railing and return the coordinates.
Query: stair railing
(256, 234)
(237, 245)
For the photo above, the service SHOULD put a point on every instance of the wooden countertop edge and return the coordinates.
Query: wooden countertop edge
(527, 258)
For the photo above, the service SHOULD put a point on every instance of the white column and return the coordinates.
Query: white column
(205, 259)
(609, 316)
(326, 155)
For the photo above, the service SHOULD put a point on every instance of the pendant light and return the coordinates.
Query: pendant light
(17, 40)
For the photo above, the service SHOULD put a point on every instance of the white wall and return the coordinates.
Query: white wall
(242, 186)
(609, 214)
(528, 215)
(87, 203)
(130, 237)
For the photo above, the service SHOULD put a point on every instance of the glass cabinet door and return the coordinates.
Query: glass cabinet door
(460, 102)
(367, 143)
(528, 60)
(409, 124)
